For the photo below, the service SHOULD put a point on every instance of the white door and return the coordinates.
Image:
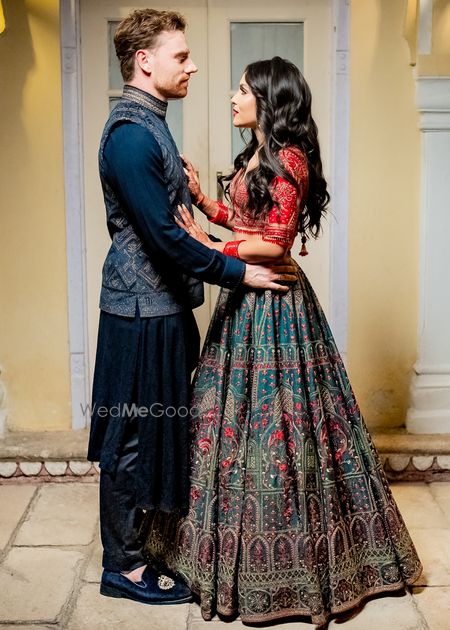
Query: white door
(223, 38)
(242, 31)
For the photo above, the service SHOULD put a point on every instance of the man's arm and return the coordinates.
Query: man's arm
(135, 164)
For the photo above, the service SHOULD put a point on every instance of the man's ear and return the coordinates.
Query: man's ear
(144, 59)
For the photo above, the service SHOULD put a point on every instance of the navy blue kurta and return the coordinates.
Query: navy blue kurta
(136, 172)
(148, 360)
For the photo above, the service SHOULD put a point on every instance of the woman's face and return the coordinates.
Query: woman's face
(244, 106)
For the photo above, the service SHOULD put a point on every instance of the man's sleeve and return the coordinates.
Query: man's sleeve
(135, 167)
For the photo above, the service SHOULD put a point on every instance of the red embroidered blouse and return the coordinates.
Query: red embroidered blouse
(280, 225)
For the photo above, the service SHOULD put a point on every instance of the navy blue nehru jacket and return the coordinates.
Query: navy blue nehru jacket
(135, 167)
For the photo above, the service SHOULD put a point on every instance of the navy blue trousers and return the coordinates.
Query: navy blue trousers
(143, 449)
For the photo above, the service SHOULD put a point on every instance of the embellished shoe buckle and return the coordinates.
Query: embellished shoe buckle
(165, 583)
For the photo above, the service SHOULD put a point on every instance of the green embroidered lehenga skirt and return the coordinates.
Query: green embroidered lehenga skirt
(290, 510)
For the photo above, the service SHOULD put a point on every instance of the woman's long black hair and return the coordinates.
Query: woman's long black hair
(283, 113)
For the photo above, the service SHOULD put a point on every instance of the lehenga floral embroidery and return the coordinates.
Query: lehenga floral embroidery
(291, 513)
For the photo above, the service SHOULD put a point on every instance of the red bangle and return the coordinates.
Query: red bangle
(221, 218)
(231, 248)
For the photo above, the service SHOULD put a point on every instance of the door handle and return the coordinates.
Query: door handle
(219, 187)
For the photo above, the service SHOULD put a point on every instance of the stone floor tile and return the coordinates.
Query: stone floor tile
(196, 622)
(35, 583)
(400, 611)
(418, 506)
(194, 611)
(21, 627)
(94, 568)
(105, 613)
(195, 617)
(64, 514)
(434, 603)
(14, 500)
(39, 445)
(199, 624)
(433, 547)
(441, 494)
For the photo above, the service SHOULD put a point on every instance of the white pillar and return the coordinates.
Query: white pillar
(430, 388)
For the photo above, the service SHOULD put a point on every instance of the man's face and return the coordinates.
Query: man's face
(171, 65)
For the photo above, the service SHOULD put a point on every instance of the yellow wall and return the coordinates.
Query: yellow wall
(384, 212)
(33, 315)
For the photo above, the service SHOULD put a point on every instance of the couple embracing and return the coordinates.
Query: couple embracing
(268, 498)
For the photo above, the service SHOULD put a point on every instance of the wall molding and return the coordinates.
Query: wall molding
(433, 102)
(340, 175)
(74, 200)
(425, 27)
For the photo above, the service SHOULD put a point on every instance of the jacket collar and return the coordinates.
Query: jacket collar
(131, 93)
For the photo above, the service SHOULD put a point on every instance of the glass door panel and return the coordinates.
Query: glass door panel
(251, 41)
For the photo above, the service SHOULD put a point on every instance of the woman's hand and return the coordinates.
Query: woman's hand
(193, 180)
(190, 225)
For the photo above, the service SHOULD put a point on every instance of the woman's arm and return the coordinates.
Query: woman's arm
(253, 251)
(281, 223)
(216, 211)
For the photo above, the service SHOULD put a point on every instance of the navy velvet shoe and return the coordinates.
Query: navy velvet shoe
(152, 589)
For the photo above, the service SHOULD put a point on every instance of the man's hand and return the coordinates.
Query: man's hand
(267, 277)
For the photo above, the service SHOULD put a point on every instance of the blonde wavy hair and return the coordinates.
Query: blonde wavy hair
(140, 30)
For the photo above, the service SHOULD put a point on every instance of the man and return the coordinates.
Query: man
(148, 339)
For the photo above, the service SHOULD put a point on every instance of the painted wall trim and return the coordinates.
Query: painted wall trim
(429, 410)
(74, 200)
(425, 33)
(340, 174)
(433, 102)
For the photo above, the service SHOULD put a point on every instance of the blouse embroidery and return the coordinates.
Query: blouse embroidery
(280, 225)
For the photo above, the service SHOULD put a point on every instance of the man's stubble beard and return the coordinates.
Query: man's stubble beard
(173, 93)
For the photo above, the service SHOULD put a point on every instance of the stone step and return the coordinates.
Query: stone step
(45, 456)
(61, 456)
(414, 457)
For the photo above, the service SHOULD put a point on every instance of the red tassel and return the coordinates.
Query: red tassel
(303, 251)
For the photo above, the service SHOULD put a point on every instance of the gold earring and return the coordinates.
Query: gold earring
(304, 251)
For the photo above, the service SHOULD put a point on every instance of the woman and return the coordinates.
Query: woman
(290, 511)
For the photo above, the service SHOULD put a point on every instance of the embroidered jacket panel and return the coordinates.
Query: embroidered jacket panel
(151, 263)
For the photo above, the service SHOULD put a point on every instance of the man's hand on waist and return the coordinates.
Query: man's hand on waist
(270, 275)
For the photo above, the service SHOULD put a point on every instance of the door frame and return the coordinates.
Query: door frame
(74, 194)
